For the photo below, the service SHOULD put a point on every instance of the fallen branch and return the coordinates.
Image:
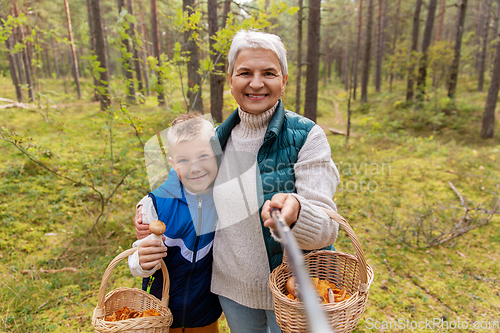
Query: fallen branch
(50, 271)
(15, 104)
(336, 131)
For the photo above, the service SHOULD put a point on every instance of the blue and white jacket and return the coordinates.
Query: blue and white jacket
(190, 228)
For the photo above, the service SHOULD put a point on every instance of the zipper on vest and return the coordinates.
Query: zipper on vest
(193, 264)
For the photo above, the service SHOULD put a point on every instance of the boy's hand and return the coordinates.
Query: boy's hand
(141, 230)
(151, 253)
(289, 205)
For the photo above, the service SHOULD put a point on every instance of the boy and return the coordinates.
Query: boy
(184, 203)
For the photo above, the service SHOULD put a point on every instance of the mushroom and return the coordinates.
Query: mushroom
(331, 296)
(157, 228)
(290, 286)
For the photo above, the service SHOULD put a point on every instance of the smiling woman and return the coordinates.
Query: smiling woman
(292, 156)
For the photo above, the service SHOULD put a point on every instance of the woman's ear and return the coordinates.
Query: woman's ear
(285, 79)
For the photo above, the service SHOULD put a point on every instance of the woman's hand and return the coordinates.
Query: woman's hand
(141, 230)
(287, 203)
(151, 253)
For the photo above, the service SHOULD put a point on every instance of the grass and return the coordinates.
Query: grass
(395, 169)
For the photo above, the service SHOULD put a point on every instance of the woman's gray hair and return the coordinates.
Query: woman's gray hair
(249, 39)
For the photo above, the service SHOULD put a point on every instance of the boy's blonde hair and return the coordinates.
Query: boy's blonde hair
(189, 126)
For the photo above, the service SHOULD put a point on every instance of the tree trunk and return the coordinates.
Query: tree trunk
(127, 61)
(131, 33)
(484, 45)
(73, 52)
(366, 61)
(298, 90)
(488, 128)
(12, 67)
(54, 53)
(422, 71)
(414, 43)
(452, 83)
(358, 50)
(313, 40)
(144, 52)
(442, 8)
(49, 66)
(479, 27)
(380, 44)
(95, 95)
(25, 58)
(100, 51)
(347, 80)
(494, 34)
(156, 50)
(193, 65)
(216, 84)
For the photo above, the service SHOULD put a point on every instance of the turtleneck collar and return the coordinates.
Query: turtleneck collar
(253, 123)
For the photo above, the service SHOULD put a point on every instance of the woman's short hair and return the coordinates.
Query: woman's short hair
(245, 39)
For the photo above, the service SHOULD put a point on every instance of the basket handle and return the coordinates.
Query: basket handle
(112, 265)
(363, 269)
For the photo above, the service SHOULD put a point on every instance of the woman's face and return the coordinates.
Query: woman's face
(257, 82)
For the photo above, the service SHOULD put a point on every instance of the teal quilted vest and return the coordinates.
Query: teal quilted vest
(286, 134)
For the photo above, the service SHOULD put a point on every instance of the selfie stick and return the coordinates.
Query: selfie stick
(316, 316)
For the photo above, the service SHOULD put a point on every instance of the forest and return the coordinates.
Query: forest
(405, 90)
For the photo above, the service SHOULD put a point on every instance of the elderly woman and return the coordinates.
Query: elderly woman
(297, 175)
(294, 172)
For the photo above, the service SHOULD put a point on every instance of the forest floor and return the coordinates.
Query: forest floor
(403, 172)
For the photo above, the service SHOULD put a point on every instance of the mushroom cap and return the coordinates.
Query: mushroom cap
(290, 286)
(157, 227)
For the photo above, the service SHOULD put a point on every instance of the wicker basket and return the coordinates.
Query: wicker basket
(134, 299)
(348, 272)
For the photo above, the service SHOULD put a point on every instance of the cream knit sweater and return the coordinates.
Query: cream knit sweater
(240, 268)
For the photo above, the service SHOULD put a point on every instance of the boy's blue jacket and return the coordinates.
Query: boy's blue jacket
(190, 220)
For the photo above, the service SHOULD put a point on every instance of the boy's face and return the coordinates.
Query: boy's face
(195, 163)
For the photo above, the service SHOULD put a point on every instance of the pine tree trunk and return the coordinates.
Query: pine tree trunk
(49, 66)
(347, 56)
(73, 52)
(358, 50)
(25, 58)
(452, 83)
(131, 33)
(144, 52)
(414, 43)
(156, 50)
(380, 44)
(216, 84)
(298, 89)
(488, 127)
(490, 57)
(100, 51)
(127, 62)
(479, 27)
(194, 92)
(95, 95)
(426, 41)
(313, 40)
(54, 53)
(442, 9)
(367, 54)
(484, 44)
(12, 67)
